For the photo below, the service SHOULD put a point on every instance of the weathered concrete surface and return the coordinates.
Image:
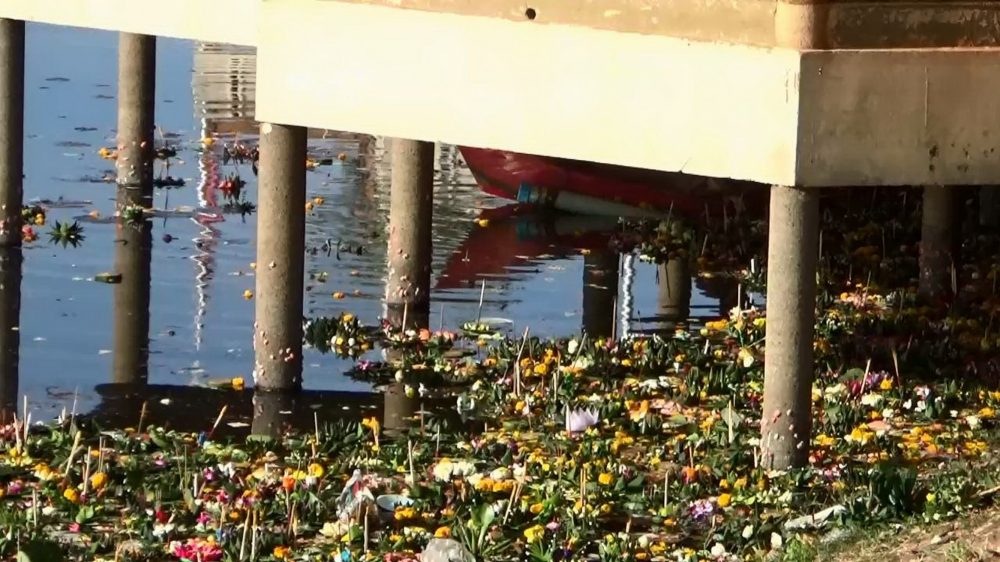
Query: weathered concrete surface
(847, 24)
(225, 21)
(11, 130)
(639, 100)
(408, 282)
(905, 117)
(136, 118)
(773, 115)
(792, 253)
(843, 24)
(281, 231)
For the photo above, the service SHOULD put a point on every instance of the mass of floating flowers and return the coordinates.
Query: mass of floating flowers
(516, 447)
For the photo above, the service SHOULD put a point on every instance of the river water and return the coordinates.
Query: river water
(190, 271)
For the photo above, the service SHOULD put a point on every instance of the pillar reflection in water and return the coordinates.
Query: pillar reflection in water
(600, 292)
(10, 334)
(673, 294)
(133, 253)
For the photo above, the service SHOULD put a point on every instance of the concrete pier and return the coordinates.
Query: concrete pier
(792, 253)
(133, 258)
(989, 206)
(11, 260)
(136, 107)
(936, 241)
(280, 257)
(410, 221)
(11, 130)
(673, 295)
(267, 417)
(600, 292)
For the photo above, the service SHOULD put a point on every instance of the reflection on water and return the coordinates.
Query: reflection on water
(10, 330)
(133, 259)
(173, 333)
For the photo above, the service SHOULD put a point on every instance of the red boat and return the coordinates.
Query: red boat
(507, 174)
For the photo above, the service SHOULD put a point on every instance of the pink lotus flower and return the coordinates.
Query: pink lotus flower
(196, 549)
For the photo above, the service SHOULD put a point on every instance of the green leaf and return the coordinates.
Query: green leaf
(85, 514)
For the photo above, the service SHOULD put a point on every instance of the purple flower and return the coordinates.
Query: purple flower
(701, 508)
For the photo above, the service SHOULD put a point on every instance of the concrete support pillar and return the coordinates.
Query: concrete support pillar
(10, 330)
(11, 130)
(989, 206)
(410, 220)
(281, 231)
(792, 253)
(133, 256)
(268, 419)
(600, 292)
(673, 295)
(136, 106)
(397, 409)
(936, 241)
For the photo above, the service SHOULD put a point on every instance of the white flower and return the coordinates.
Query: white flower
(501, 473)
(747, 532)
(161, 530)
(475, 479)
(580, 420)
(572, 346)
(973, 421)
(399, 375)
(776, 541)
(872, 399)
(442, 471)
(422, 390)
(888, 413)
(718, 550)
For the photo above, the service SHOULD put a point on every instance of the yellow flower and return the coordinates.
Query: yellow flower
(39, 219)
(347, 317)
(404, 513)
(886, 384)
(536, 508)
(442, 532)
(282, 552)
(339, 295)
(316, 470)
(534, 534)
(987, 413)
(605, 479)
(98, 480)
(238, 383)
(72, 495)
(824, 440)
(248, 294)
(724, 500)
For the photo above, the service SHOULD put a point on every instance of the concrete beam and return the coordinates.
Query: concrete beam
(900, 117)
(225, 21)
(640, 100)
(777, 116)
(844, 24)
